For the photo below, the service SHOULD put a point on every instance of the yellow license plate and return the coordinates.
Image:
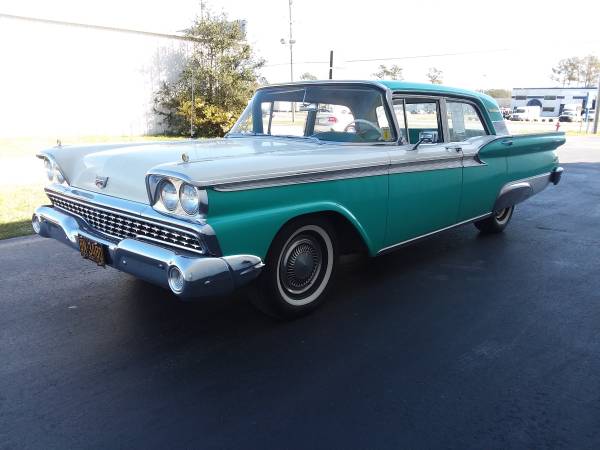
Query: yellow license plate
(92, 250)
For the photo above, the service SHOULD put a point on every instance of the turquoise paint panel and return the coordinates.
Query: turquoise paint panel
(421, 202)
(533, 155)
(247, 221)
(527, 156)
(481, 186)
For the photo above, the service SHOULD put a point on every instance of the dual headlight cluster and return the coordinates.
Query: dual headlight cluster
(179, 197)
(53, 172)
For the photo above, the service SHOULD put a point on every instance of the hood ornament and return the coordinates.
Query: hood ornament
(185, 157)
(101, 182)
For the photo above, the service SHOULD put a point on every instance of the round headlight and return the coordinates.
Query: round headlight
(188, 196)
(168, 195)
(49, 169)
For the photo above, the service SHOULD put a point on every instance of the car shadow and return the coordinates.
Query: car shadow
(415, 274)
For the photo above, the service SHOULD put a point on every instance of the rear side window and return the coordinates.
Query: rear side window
(463, 121)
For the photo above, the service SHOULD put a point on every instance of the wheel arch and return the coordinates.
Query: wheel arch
(267, 223)
(351, 237)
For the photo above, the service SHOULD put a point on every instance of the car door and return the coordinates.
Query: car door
(483, 175)
(425, 177)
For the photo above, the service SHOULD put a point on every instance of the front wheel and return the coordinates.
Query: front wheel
(298, 269)
(497, 222)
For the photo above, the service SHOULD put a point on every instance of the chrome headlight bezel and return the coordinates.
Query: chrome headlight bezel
(54, 174)
(155, 183)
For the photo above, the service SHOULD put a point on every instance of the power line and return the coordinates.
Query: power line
(98, 27)
(430, 55)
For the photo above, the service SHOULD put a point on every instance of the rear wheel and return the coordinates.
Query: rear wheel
(298, 269)
(497, 222)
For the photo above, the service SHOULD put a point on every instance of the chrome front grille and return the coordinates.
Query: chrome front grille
(122, 225)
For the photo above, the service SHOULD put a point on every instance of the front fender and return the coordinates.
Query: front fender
(255, 230)
(248, 221)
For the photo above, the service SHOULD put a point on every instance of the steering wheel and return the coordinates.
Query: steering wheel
(371, 124)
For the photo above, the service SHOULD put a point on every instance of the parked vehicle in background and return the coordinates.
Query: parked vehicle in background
(591, 114)
(569, 115)
(505, 112)
(526, 113)
(273, 205)
(574, 107)
(333, 118)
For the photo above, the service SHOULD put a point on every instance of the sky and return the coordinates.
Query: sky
(513, 43)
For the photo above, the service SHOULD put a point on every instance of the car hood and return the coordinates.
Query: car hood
(209, 162)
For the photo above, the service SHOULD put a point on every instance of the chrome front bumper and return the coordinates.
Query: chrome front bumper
(203, 276)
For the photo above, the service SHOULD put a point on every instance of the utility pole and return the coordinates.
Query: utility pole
(291, 43)
(331, 64)
(597, 114)
(192, 110)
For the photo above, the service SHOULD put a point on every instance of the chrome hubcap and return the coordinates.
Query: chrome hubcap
(301, 265)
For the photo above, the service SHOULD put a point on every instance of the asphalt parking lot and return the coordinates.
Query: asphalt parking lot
(460, 341)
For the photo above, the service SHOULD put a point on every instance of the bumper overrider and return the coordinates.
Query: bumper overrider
(186, 273)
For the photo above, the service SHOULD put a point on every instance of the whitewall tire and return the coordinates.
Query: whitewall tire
(298, 269)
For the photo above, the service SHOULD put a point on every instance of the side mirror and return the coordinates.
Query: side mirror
(426, 137)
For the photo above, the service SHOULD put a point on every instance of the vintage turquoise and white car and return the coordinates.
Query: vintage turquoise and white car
(275, 203)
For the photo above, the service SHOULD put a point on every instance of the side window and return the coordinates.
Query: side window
(463, 121)
(423, 115)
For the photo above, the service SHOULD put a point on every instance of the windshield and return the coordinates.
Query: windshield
(354, 114)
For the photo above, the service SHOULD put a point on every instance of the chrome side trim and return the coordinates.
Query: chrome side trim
(425, 164)
(423, 236)
(452, 162)
(473, 161)
(518, 191)
(301, 178)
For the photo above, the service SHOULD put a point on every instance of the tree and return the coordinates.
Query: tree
(394, 72)
(435, 75)
(498, 93)
(590, 71)
(565, 72)
(307, 76)
(583, 71)
(224, 73)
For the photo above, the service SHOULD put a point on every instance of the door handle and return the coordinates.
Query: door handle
(455, 148)
(507, 142)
